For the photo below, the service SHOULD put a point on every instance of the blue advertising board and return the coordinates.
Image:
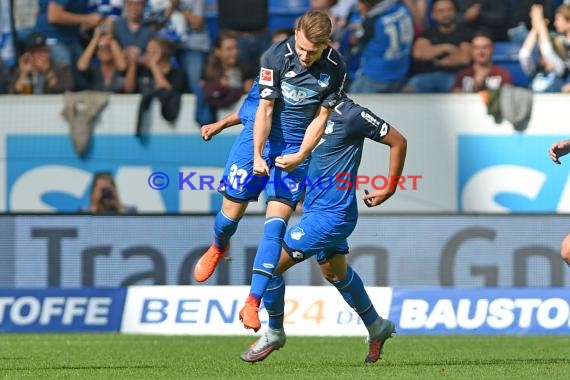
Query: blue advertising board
(44, 170)
(510, 174)
(61, 310)
(492, 311)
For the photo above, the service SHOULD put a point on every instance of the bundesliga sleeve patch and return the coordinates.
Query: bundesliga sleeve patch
(266, 77)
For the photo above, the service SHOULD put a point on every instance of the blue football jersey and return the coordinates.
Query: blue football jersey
(248, 108)
(387, 42)
(298, 91)
(335, 161)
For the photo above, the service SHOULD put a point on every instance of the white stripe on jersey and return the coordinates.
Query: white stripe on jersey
(290, 50)
(329, 57)
(337, 110)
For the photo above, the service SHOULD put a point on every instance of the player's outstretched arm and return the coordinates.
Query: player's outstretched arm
(398, 149)
(261, 129)
(210, 130)
(559, 149)
(313, 135)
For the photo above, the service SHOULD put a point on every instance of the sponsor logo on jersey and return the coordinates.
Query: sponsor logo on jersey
(266, 92)
(290, 74)
(329, 128)
(324, 80)
(297, 233)
(369, 118)
(266, 77)
(295, 95)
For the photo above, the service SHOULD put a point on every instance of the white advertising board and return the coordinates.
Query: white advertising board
(214, 310)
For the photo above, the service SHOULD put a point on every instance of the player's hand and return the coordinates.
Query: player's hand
(210, 130)
(289, 162)
(378, 197)
(260, 167)
(559, 149)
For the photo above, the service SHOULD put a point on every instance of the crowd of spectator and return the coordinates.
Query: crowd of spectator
(164, 48)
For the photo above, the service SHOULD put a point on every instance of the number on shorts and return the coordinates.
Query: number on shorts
(237, 177)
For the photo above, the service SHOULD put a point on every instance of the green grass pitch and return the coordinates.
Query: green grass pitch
(114, 356)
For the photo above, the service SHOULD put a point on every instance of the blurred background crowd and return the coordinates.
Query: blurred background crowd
(211, 48)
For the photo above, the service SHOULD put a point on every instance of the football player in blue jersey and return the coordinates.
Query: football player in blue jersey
(330, 215)
(238, 185)
(300, 81)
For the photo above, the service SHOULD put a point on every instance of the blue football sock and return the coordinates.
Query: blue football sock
(274, 301)
(353, 292)
(224, 228)
(267, 256)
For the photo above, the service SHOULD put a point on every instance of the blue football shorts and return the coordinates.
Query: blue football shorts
(281, 186)
(238, 182)
(318, 234)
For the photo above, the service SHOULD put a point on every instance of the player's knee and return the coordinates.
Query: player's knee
(329, 273)
(565, 250)
(232, 209)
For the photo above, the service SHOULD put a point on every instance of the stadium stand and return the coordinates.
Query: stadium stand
(283, 13)
(506, 55)
(212, 18)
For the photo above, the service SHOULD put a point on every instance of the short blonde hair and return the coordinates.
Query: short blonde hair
(316, 26)
(564, 11)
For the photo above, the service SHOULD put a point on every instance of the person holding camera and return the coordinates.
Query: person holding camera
(105, 196)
